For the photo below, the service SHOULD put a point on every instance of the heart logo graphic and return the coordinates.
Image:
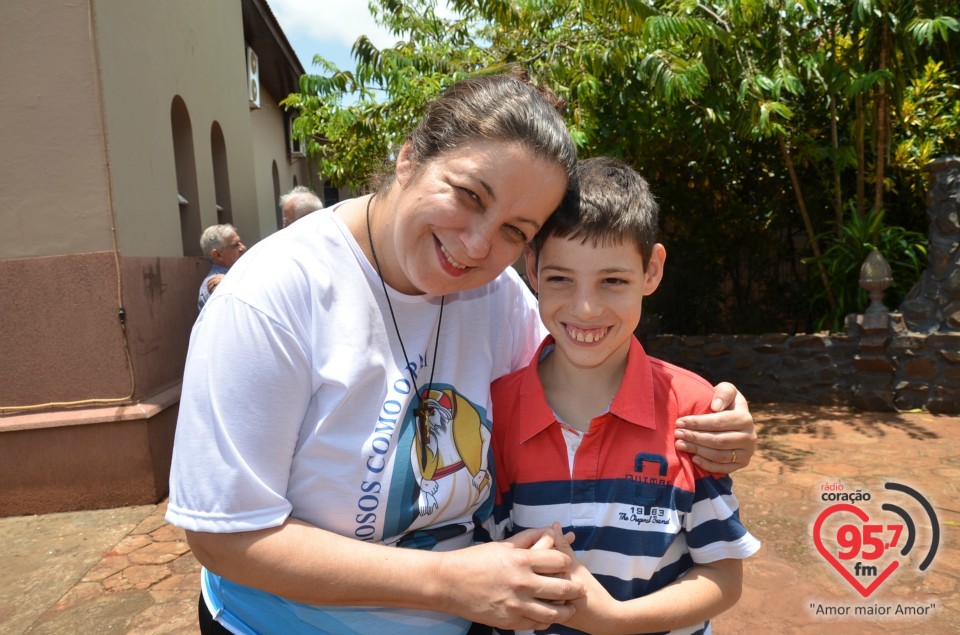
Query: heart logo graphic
(861, 541)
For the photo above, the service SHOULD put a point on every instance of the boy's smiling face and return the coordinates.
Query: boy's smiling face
(590, 296)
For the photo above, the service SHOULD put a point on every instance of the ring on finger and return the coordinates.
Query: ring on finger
(733, 459)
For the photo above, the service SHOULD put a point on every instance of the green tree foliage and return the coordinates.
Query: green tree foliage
(764, 126)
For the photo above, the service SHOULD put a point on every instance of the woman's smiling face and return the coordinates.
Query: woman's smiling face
(465, 216)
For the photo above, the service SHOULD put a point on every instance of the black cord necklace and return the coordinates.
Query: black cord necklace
(423, 410)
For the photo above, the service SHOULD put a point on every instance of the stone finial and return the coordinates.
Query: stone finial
(876, 277)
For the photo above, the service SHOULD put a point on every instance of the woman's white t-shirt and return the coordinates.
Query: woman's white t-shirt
(297, 401)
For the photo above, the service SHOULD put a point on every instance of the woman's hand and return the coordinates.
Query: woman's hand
(724, 440)
(510, 584)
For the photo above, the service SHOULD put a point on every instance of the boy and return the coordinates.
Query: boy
(585, 434)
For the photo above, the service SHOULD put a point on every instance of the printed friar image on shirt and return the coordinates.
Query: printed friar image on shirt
(447, 474)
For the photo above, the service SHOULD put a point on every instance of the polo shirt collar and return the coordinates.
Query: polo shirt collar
(633, 402)
(634, 399)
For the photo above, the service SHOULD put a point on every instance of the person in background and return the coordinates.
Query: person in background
(584, 436)
(221, 245)
(297, 203)
(332, 456)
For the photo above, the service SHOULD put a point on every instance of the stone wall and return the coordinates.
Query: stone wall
(907, 360)
(934, 303)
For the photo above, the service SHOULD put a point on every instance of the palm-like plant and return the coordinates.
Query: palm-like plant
(845, 251)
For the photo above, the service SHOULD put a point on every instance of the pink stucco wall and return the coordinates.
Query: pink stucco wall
(60, 341)
(60, 335)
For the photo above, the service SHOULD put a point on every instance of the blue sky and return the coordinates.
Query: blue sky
(327, 27)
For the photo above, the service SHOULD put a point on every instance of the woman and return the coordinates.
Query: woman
(336, 397)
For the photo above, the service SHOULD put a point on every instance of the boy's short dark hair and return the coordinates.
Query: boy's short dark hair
(615, 204)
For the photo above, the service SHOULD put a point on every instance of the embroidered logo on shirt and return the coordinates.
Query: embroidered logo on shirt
(649, 468)
(649, 477)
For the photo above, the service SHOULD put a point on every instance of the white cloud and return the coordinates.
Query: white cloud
(331, 27)
(336, 21)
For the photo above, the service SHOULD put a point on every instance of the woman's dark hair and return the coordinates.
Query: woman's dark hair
(506, 107)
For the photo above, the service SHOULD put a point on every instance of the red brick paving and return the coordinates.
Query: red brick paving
(153, 565)
(148, 581)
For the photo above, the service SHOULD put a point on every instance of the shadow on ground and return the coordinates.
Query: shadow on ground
(777, 422)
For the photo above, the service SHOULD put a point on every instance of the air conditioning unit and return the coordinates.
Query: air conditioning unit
(253, 78)
(295, 145)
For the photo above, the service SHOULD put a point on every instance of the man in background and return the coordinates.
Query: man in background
(297, 203)
(222, 247)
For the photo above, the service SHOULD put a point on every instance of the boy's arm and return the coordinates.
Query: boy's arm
(724, 440)
(704, 592)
